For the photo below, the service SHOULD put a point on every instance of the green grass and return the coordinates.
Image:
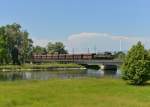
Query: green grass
(38, 66)
(84, 92)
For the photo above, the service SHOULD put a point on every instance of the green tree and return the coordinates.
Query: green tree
(19, 38)
(39, 50)
(15, 55)
(4, 59)
(29, 50)
(57, 47)
(136, 66)
(119, 55)
(12, 37)
(50, 48)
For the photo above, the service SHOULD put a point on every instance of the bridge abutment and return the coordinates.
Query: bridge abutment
(108, 67)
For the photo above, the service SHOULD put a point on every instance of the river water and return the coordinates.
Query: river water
(63, 74)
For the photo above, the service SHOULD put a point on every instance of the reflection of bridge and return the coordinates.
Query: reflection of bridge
(101, 63)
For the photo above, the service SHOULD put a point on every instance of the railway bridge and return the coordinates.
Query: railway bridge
(98, 62)
(103, 64)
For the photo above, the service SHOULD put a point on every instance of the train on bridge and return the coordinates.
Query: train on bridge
(89, 56)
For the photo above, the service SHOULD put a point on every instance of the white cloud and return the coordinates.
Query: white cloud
(102, 41)
(81, 42)
(43, 42)
(40, 42)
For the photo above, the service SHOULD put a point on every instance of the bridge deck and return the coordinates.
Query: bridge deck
(89, 62)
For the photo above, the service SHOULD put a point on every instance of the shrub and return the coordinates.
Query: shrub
(136, 66)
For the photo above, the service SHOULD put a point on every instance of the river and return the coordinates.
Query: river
(63, 74)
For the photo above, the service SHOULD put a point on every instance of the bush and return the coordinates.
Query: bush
(136, 66)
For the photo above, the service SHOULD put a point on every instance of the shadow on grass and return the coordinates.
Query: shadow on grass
(145, 84)
(139, 85)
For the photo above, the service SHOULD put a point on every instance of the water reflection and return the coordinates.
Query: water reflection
(45, 75)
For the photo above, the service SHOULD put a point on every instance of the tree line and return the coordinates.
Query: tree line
(17, 48)
(51, 48)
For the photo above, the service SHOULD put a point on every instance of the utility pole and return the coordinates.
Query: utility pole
(120, 45)
(73, 54)
(88, 50)
(72, 50)
(95, 48)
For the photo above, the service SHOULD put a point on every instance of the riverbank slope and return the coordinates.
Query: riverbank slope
(46, 66)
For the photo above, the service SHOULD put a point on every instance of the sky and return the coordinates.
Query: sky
(82, 25)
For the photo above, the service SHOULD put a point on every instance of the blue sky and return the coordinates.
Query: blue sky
(62, 20)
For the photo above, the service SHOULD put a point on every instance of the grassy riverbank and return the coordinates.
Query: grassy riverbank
(46, 66)
(73, 93)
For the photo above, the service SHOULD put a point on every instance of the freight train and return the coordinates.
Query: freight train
(90, 56)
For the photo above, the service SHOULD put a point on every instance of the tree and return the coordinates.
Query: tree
(136, 66)
(57, 47)
(12, 36)
(3, 47)
(15, 56)
(39, 50)
(29, 50)
(50, 48)
(19, 38)
(119, 55)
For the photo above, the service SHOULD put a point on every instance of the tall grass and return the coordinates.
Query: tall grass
(73, 93)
